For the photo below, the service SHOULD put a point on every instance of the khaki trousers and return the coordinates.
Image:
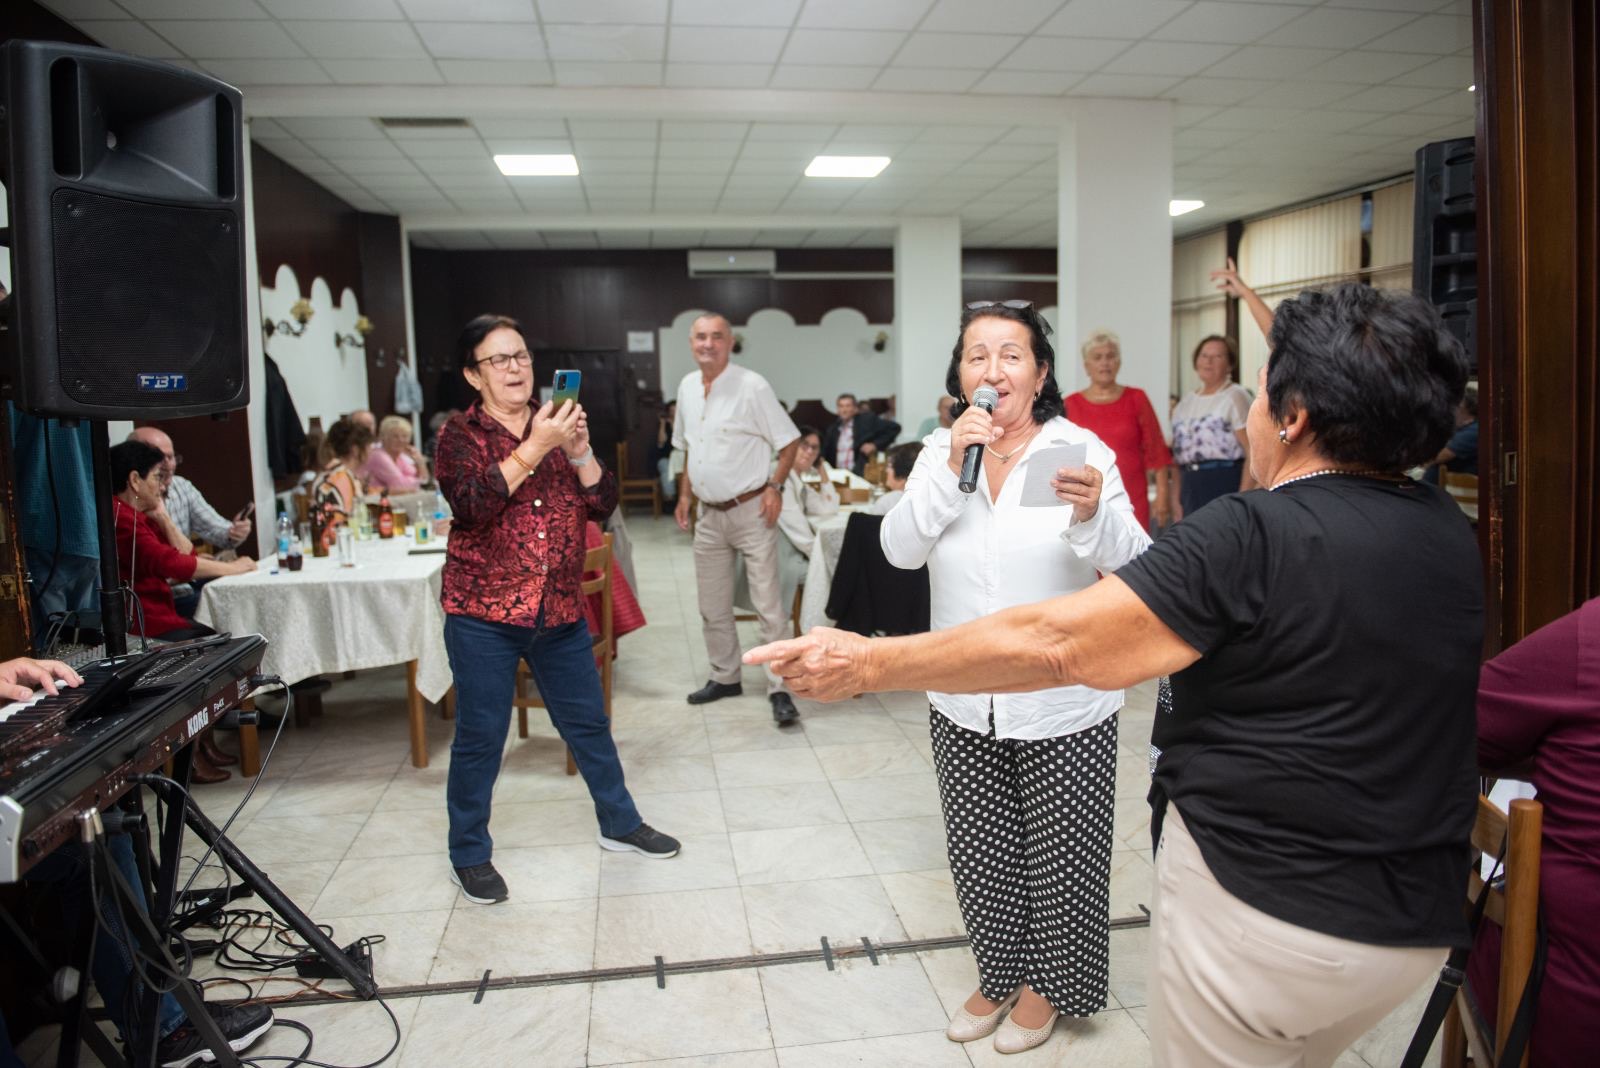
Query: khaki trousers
(718, 538)
(1233, 987)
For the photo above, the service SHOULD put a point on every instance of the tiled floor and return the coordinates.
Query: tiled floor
(831, 829)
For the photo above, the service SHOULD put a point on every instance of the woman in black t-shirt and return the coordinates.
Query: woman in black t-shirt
(1315, 786)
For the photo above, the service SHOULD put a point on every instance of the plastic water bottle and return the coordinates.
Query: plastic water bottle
(441, 512)
(285, 536)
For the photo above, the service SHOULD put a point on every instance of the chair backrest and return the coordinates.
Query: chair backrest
(1464, 488)
(876, 472)
(854, 495)
(622, 460)
(601, 559)
(1515, 904)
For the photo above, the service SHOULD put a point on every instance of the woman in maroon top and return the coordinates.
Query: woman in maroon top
(522, 485)
(1121, 417)
(1539, 720)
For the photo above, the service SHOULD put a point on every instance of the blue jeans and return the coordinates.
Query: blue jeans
(483, 659)
(112, 966)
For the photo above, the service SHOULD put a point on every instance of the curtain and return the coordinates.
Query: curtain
(1199, 308)
(1283, 254)
(1391, 240)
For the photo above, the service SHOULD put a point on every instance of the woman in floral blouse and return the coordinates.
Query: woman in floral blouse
(521, 484)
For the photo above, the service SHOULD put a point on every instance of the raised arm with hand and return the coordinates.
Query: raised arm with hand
(1228, 280)
(1103, 637)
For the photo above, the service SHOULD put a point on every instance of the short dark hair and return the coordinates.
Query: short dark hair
(1048, 404)
(346, 437)
(842, 396)
(804, 430)
(902, 458)
(1227, 342)
(132, 458)
(1376, 371)
(473, 333)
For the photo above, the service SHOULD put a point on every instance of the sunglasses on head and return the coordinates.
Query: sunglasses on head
(1014, 305)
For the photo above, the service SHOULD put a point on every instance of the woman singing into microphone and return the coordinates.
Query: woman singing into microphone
(1026, 780)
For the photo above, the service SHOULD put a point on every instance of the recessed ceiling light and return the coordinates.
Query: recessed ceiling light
(847, 166)
(1184, 207)
(545, 166)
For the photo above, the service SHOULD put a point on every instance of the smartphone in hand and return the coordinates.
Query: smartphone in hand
(566, 387)
(246, 512)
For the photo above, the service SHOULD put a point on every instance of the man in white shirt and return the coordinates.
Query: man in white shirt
(190, 511)
(730, 423)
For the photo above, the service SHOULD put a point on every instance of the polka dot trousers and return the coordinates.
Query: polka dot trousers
(1028, 828)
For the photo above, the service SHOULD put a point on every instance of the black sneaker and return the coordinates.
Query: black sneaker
(784, 712)
(715, 691)
(241, 1025)
(480, 883)
(646, 841)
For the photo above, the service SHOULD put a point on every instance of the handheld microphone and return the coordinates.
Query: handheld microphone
(986, 398)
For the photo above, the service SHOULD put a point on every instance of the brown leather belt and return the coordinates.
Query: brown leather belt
(723, 506)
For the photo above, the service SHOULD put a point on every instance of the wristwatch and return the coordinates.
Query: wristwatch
(775, 485)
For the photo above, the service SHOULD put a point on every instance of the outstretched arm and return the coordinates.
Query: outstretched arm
(1104, 637)
(1228, 280)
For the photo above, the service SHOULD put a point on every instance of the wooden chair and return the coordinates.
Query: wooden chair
(851, 495)
(526, 695)
(636, 490)
(876, 472)
(1515, 908)
(1463, 488)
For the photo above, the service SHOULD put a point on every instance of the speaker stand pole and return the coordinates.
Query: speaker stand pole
(113, 607)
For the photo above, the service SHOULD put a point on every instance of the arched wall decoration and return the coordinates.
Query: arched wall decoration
(323, 379)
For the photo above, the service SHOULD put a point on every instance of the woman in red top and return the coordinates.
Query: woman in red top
(522, 485)
(1121, 417)
(151, 553)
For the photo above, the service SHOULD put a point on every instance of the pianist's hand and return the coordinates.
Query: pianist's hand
(19, 677)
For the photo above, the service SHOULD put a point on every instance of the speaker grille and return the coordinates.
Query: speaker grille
(146, 288)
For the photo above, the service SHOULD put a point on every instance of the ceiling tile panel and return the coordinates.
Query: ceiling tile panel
(855, 15)
(1113, 18)
(1131, 85)
(1329, 27)
(375, 10)
(268, 71)
(360, 40)
(194, 9)
(383, 72)
(1063, 54)
(220, 39)
(926, 80)
(496, 71)
(126, 35)
(334, 129)
(606, 44)
(1389, 98)
(711, 44)
(1451, 72)
(718, 75)
(1227, 23)
(734, 12)
(470, 10)
(466, 40)
(1439, 34)
(638, 12)
(997, 16)
(1367, 68)
(582, 75)
(840, 48)
(1269, 61)
(966, 51)
(1170, 58)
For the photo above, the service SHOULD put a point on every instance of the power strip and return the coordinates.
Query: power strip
(311, 966)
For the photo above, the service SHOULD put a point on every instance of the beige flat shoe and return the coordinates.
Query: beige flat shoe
(1014, 1039)
(965, 1027)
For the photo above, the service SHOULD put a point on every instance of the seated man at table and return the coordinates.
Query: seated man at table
(857, 436)
(190, 511)
(902, 458)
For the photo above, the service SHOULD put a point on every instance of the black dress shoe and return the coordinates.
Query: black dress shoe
(783, 710)
(715, 691)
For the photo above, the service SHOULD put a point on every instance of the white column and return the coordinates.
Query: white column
(927, 314)
(1114, 247)
(256, 414)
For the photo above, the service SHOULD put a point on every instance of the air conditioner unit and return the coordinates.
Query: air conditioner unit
(711, 263)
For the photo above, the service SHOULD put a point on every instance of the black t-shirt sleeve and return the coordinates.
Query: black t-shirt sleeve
(1203, 578)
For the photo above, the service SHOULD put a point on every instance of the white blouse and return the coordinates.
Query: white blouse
(985, 555)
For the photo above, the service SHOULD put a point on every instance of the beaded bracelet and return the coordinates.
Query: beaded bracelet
(521, 462)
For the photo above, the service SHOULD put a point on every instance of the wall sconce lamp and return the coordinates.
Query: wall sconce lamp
(880, 342)
(738, 343)
(363, 328)
(301, 312)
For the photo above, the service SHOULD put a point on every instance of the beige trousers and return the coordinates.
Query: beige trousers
(719, 538)
(1233, 987)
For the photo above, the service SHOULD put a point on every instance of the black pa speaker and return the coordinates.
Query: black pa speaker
(124, 178)
(1444, 254)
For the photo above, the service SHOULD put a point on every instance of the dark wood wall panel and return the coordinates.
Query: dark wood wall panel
(1539, 295)
(383, 301)
(302, 224)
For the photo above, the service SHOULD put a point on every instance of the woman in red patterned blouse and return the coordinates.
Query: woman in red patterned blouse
(522, 484)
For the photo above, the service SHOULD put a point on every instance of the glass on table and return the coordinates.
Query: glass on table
(347, 546)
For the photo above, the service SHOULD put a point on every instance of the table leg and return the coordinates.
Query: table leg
(419, 727)
(249, 743)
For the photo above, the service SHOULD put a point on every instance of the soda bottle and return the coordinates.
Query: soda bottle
(385, 517)
(285, 535)
(296, 555)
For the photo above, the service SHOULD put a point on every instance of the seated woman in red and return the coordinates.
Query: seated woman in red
(151, 551)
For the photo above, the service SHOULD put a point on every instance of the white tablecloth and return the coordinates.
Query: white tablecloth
(819, 572)
(326, 619)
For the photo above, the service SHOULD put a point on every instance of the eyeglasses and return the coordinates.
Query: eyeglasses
(502, 360)
(1014, 305)
(174, 458)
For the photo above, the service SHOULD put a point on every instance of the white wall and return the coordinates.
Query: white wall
(927, 311)
(801, 361)
(323, 379)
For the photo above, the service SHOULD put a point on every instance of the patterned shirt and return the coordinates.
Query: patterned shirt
(513, 555)
(195, 516)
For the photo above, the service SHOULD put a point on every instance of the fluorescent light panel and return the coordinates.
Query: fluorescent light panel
(847, 166)
(1184, 207)
(543, 166)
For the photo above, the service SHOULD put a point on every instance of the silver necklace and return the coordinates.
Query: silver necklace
(1327, 471)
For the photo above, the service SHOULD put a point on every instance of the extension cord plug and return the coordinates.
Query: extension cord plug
(311, 966)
